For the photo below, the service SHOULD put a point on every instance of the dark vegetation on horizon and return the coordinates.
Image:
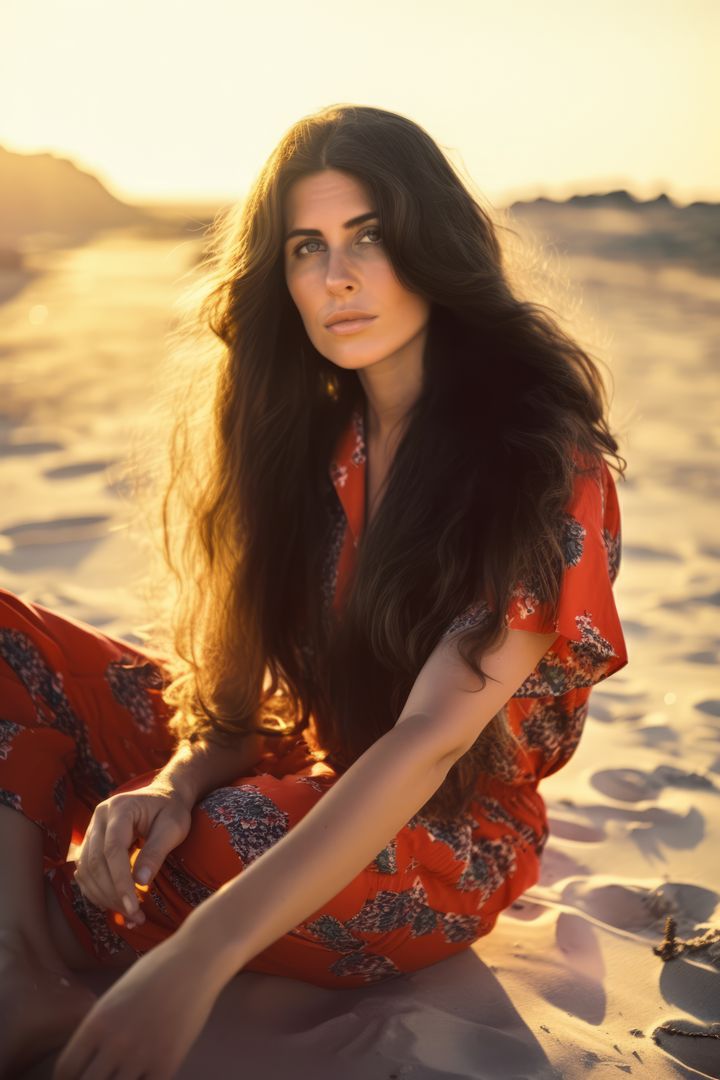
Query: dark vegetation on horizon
(46, 201)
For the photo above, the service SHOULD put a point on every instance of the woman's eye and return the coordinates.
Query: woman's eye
(371, 229)
(298, 249)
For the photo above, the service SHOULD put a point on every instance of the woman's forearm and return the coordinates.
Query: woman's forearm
(320, 855)
(198, 768)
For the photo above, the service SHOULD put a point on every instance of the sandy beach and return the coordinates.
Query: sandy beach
(568, 983)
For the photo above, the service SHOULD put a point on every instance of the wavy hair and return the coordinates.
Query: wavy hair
(474, 497)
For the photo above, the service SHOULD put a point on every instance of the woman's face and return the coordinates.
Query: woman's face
(331, 265)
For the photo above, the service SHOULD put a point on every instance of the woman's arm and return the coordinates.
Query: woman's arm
(358, 816)
(198, 768)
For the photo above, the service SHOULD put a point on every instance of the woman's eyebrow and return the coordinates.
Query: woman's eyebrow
(348, 225)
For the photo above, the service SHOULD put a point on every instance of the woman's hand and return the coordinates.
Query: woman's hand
(144, 1025)
(159, 815)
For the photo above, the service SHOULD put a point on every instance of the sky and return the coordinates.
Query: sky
(180, 100)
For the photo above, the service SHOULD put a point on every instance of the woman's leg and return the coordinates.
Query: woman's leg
(28, 908)
(41, 1002)
(80, 714)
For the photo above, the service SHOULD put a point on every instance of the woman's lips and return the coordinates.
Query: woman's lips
(350, 326)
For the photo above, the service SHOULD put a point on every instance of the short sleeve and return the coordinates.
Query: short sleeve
(592, 644)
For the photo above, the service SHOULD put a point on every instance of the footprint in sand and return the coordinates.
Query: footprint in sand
(634, 628)
(568, 829)
(57, 530)
(652, 827)
(684, 603)
(711, 707)
(635, 785)
(671, 776)
(59, 543)
(621, 905)
(78, 468)
(625, 785)
(602, 713)
(638, 908)
(693, 904)
(652, 734)
(25, 449)
(642, 551)
(638, 904)
(707, 656)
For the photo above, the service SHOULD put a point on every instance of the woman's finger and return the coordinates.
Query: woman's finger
(119, 836)
(87, 888)
(82, 875)
(93, 872)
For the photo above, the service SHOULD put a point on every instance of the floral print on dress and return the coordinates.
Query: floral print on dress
(370, 966)
(96, 921)
(53, 709)
(358, 454)
(510, 769)
(338, 474)
(468, 861)
(362, 938)
(158, 900)
(59, 793)
(328, 931)
(186, 885)
(129, 682)
(43, 685)
(337, 529)
(573, 540)
(410, 909)
(390, 910)
(386, 861)
(493, 809)
(474, 615)
(555, 735)
(8, 731)
(492, 862)
(582, 663)
(253, 821)
(9, 798)
(460, 928)
(455, 835)
(613, 545)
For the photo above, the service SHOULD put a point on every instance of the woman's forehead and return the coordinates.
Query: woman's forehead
(325, 194)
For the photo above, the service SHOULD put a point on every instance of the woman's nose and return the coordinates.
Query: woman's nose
(339, 271)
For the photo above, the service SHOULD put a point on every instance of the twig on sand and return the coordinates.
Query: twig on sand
(679, 1031)
(669, 946)
(673, 946)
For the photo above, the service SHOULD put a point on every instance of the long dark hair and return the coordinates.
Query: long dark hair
(474, 497)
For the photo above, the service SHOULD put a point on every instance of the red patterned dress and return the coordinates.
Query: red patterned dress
(81, 716)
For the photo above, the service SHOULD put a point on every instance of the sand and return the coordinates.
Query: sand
(568, 983)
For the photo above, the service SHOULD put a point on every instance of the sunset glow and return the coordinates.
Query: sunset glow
(168, 101)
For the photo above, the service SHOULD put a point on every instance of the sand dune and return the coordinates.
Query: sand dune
(568, 983)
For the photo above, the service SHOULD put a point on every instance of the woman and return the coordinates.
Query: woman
(396, 572)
